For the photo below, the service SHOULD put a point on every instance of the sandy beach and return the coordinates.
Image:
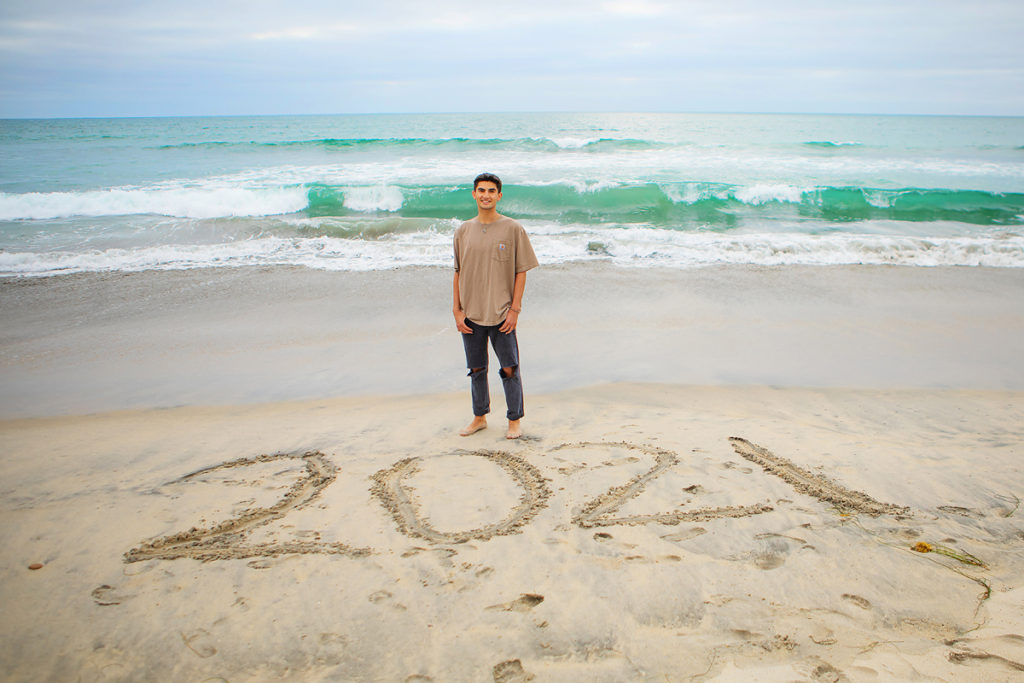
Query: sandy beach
(728, 474)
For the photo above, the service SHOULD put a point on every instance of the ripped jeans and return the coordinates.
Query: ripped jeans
(506, 348)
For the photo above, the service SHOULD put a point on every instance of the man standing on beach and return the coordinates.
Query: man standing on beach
(492, 255)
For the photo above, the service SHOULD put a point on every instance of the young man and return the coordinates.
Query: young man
(492, 255)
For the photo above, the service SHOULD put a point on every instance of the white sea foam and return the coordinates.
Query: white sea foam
(324, 253)
(765, 193)
(690, 193)
(376, 198)
(879, 199)
(834, 143)
(589, 186)
(588, 170)
(180, 201)
(627, 246)
(646, 246)
(573, 143)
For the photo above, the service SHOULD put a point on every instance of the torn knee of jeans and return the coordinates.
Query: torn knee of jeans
(513, 370)
(474, 372)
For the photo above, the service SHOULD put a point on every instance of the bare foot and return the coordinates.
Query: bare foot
(479, 422)
(514, 430)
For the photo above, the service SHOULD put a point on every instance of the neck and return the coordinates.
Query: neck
(488, 216)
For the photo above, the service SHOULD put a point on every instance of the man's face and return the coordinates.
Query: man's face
(486, 195)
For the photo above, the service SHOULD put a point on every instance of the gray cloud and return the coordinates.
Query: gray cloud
(130, 58)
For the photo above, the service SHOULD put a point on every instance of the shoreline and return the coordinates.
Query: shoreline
(94, 343)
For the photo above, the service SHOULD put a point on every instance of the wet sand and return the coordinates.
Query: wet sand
(90, 343)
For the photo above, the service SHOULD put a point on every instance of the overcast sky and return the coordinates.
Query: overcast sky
(184, 57)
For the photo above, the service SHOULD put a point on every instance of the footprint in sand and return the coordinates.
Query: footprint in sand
(730, 465)
(262, 563)
(772, 553)
(108, 595)
(686, 534)
(200, 642)
(826, 673)
(772, 550)
(822, 635)
(524, 603)
(906, 533)
(383, 597)
(511, 671)
(965, 656)
(961, 511)
(857, 600)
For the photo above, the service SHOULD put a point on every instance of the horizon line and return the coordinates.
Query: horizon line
(502, 113)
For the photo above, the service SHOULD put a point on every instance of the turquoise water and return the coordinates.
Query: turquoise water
(386, 191)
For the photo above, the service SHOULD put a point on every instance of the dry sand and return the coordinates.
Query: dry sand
(625, 538)
(673, 531)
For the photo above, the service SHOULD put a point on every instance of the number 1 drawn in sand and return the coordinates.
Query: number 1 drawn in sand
(845, 500)
(598, 512)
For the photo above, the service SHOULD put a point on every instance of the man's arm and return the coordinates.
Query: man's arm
(460, 315)
(517, 304)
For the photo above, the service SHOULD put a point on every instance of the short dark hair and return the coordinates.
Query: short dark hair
(487, 178)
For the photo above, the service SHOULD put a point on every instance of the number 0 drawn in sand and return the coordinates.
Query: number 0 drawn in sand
(395, 498)
(816, 485)
(225, 540)
(598, 511)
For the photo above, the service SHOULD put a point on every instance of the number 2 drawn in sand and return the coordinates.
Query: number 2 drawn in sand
(224, 541)
(598, 511)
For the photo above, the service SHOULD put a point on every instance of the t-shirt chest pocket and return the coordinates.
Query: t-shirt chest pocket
(501, 251)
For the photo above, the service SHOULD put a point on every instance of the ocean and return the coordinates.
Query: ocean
(375, 192)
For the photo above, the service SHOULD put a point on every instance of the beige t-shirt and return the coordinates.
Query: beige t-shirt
(487, 258)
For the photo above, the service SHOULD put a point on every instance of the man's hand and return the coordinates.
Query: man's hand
(510, 322)
(460, 323)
